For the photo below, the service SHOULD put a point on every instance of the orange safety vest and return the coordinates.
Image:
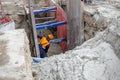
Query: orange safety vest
(44, 42)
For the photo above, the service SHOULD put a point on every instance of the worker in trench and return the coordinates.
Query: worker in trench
(44, 44)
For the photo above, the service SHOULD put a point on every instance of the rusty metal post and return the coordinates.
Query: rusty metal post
(75, 34)
(34, 28)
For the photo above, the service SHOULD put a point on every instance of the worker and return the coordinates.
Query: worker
(44, 44)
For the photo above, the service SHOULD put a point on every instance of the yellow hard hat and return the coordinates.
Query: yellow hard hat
(50, 36)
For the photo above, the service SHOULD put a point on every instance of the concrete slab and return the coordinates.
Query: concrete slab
(15, 63)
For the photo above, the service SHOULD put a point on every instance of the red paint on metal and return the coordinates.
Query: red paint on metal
(61, 30)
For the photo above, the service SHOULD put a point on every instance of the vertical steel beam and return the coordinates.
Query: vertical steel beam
(75, 29)
(34, 28)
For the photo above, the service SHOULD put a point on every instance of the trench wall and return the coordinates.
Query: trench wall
(15, 59)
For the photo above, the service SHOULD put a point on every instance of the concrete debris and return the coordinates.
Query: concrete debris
(7, 26)
(97, 59)
(15, 60)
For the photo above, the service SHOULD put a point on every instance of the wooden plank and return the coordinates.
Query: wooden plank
(75, 28)
(34, 28)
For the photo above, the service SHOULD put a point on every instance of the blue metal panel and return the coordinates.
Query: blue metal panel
(55, 41)
(51, 25)
(44, 10)
(45, 23)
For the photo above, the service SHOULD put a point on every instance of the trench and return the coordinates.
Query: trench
(54, 49)
(24, 21)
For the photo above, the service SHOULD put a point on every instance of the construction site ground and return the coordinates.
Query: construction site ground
(96, 59)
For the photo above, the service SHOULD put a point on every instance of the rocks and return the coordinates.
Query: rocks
(15, 60)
